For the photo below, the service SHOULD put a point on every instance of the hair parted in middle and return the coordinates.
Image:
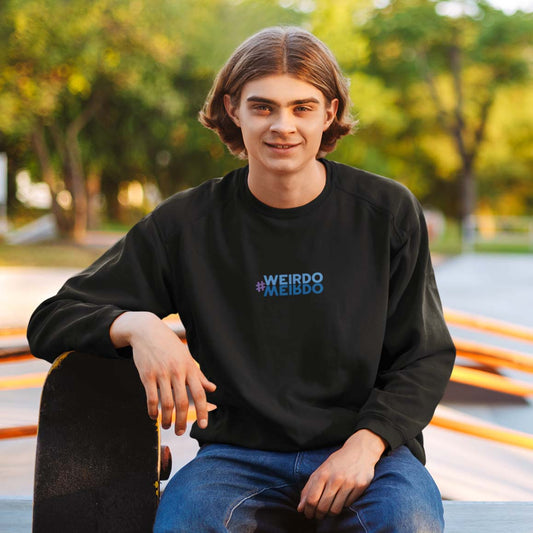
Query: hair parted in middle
(278, 50)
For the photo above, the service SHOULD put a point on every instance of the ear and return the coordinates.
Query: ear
(331, 112)
(231, 110)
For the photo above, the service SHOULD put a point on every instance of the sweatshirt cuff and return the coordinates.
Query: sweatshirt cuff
(122, 353)
(382, 427)
(102, 344)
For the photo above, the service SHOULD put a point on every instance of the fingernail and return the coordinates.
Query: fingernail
(202, 423)
(180, 432)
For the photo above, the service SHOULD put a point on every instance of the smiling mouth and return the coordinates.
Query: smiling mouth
(281, 146)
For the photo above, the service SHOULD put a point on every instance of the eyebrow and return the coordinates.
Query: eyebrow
(310, 100)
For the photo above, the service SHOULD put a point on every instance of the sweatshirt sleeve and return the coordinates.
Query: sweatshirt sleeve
(417, 354)
(133, 275)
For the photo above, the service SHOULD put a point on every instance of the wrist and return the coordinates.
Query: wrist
(130, 325)
(370, 441)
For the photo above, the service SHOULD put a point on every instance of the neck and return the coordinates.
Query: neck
(285, 191)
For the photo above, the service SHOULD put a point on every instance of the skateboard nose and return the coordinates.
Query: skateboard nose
(165, 463)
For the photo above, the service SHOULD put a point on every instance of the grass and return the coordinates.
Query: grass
(48, 254)
(504, 248)
(450, 243)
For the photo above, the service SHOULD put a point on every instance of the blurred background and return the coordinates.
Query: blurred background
(98, 123)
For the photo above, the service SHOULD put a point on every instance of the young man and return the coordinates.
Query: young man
(308, 296)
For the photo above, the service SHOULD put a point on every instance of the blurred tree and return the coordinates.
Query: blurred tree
(425, 77)
(505, 167)
(100, 93)
(111, 89)
(61, 62)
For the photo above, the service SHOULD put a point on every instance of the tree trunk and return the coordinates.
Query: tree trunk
(94, 183)
(468, 198)
(78, 189)
(110, 191)
(63, 221)
(75, 165)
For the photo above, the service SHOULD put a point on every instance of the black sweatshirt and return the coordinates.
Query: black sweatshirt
(314, 321)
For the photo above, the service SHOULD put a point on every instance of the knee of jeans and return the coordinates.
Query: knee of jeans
(420, 521)
(402, 510)
(412, 499)
(413, 516)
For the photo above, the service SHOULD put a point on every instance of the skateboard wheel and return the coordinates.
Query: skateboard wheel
(166, 463)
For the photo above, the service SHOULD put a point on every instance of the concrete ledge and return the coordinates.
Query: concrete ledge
(461, 517)
(488, 517)
(15, 516)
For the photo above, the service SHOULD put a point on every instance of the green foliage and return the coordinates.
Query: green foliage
(428, 87)
(112, 88)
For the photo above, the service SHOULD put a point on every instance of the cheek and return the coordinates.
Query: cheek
(251, 130)
(316, 132)
(251, 139)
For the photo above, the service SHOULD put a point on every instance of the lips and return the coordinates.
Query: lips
(281, 146)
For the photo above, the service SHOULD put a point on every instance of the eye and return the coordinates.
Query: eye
(302, 109)
(262, 108)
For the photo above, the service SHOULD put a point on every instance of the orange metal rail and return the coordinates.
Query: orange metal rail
(18, 432)
(450, 419)
(488, 380)
(12, 332)
(478, 352)
(490, 325)
(23, 381)
(493, 356)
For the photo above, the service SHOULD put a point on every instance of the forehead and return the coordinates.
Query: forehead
(281, 88)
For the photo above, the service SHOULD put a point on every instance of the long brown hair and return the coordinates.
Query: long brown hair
(278, 50)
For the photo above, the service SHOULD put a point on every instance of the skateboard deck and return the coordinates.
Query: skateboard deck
(98, 454)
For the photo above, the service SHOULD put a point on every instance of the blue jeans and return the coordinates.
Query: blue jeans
(232, 489)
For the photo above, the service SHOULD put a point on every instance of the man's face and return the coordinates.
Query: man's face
(282, 119)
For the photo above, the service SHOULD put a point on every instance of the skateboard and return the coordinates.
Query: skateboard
(98, 461)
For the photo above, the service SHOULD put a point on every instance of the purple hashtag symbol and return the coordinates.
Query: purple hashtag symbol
(260, 286)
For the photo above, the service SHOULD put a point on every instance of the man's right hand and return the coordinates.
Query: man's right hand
(165, 366)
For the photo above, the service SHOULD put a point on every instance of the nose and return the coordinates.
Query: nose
(283, 123)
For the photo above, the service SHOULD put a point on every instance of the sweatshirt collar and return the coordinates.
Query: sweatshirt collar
(292, 212)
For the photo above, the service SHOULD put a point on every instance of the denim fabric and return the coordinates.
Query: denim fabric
(238, 490)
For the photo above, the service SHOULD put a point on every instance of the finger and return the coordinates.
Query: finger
(311, 495)
(324, 503)
(209, 386)
(211, 407)
(341, 501)
(354, 495)
(152, 398)
(200, 401)
(181, 402)
(167, 403)
(303, 498)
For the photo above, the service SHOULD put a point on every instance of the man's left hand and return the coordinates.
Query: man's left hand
(343, 476)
